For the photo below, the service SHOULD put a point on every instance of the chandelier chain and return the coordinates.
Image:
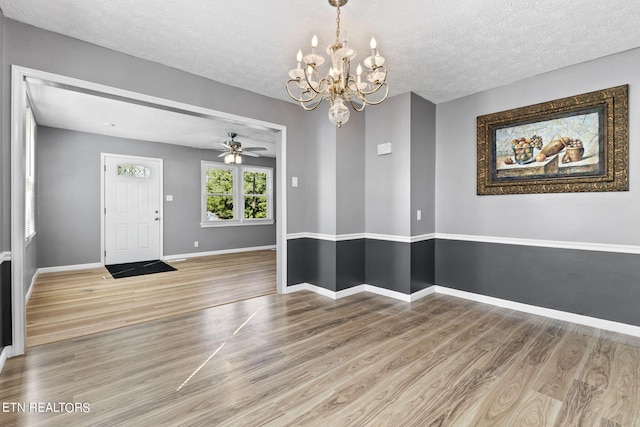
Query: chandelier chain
(338, 26)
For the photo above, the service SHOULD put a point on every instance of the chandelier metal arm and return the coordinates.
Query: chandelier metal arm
(356, 107)
(352, 84)
(362, 95)
(309, 85)
(306, 107)
(300, 99)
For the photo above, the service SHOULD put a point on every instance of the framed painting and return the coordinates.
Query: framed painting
(574, 144)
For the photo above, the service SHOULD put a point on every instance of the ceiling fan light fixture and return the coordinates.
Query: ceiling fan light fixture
(339, 86)
(233, 158)
(233, 150)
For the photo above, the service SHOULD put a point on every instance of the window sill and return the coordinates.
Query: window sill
(236, 223)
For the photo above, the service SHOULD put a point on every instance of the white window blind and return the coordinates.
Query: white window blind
(29, 175)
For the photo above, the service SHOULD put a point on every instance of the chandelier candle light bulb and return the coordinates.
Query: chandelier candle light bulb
(338, 87)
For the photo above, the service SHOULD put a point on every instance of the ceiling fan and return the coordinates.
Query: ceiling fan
(233, 150)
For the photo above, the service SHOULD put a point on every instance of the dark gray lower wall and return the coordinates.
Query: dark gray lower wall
(350, 263)
(320, 263)
(596, 284)
(423, 273)
(388, 265)
(296, 261)
(5, 304)
(603, 285)
(401, 267)
(331, 265)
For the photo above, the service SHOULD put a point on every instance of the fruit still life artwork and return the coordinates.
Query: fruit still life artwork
(575, 144)
(562, 146)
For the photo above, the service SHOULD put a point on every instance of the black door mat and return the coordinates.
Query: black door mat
(130, 269)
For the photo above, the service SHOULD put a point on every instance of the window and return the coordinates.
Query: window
(236, 195)
(29, 175)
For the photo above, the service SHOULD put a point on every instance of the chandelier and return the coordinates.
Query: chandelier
(339, 86)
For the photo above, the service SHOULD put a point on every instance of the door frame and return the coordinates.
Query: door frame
(19, 75)
(103, 194)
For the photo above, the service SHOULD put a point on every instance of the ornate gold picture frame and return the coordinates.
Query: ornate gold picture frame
(574, 144)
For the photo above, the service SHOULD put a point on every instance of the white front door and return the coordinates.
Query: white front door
(132, 214)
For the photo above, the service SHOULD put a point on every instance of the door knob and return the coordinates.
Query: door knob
(157, 218)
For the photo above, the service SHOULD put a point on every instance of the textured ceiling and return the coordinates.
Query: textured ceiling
(441, 50)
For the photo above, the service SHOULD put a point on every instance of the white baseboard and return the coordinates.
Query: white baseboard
(166, 258)
(579, 319)
(6, 353)
(423, 293)
(74, 267)
(33, 282)
(358, 289)
(312, 288)
(566, 316)
(220, 252)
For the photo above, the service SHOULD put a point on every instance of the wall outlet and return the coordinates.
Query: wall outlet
(294, 181)
(419, 215)
(169, 198)
(195, 244)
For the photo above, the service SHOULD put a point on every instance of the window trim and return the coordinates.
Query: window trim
(238, 195)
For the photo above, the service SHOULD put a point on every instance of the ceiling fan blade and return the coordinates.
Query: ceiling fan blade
(250, 154)
(225, 145)
(254, 148)
(222, 155)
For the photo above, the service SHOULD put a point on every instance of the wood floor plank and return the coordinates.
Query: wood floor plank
(559, 374)
(617, 407)
(365, 360)
(451, 406)
(66, 305)
(536, 410)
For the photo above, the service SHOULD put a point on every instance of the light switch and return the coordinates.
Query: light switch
(384, 148)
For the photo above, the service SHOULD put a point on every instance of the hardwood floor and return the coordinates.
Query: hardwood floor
(365, 360)
(78, 303)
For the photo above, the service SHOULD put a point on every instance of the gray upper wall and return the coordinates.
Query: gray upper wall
(607, 218)
(350, 175)
(423, 165)
(68, 179)
(388, 177)
(32, 47)
(400, 183)
(319, 180)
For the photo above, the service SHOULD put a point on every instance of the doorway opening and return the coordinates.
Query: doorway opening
(23, 266)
